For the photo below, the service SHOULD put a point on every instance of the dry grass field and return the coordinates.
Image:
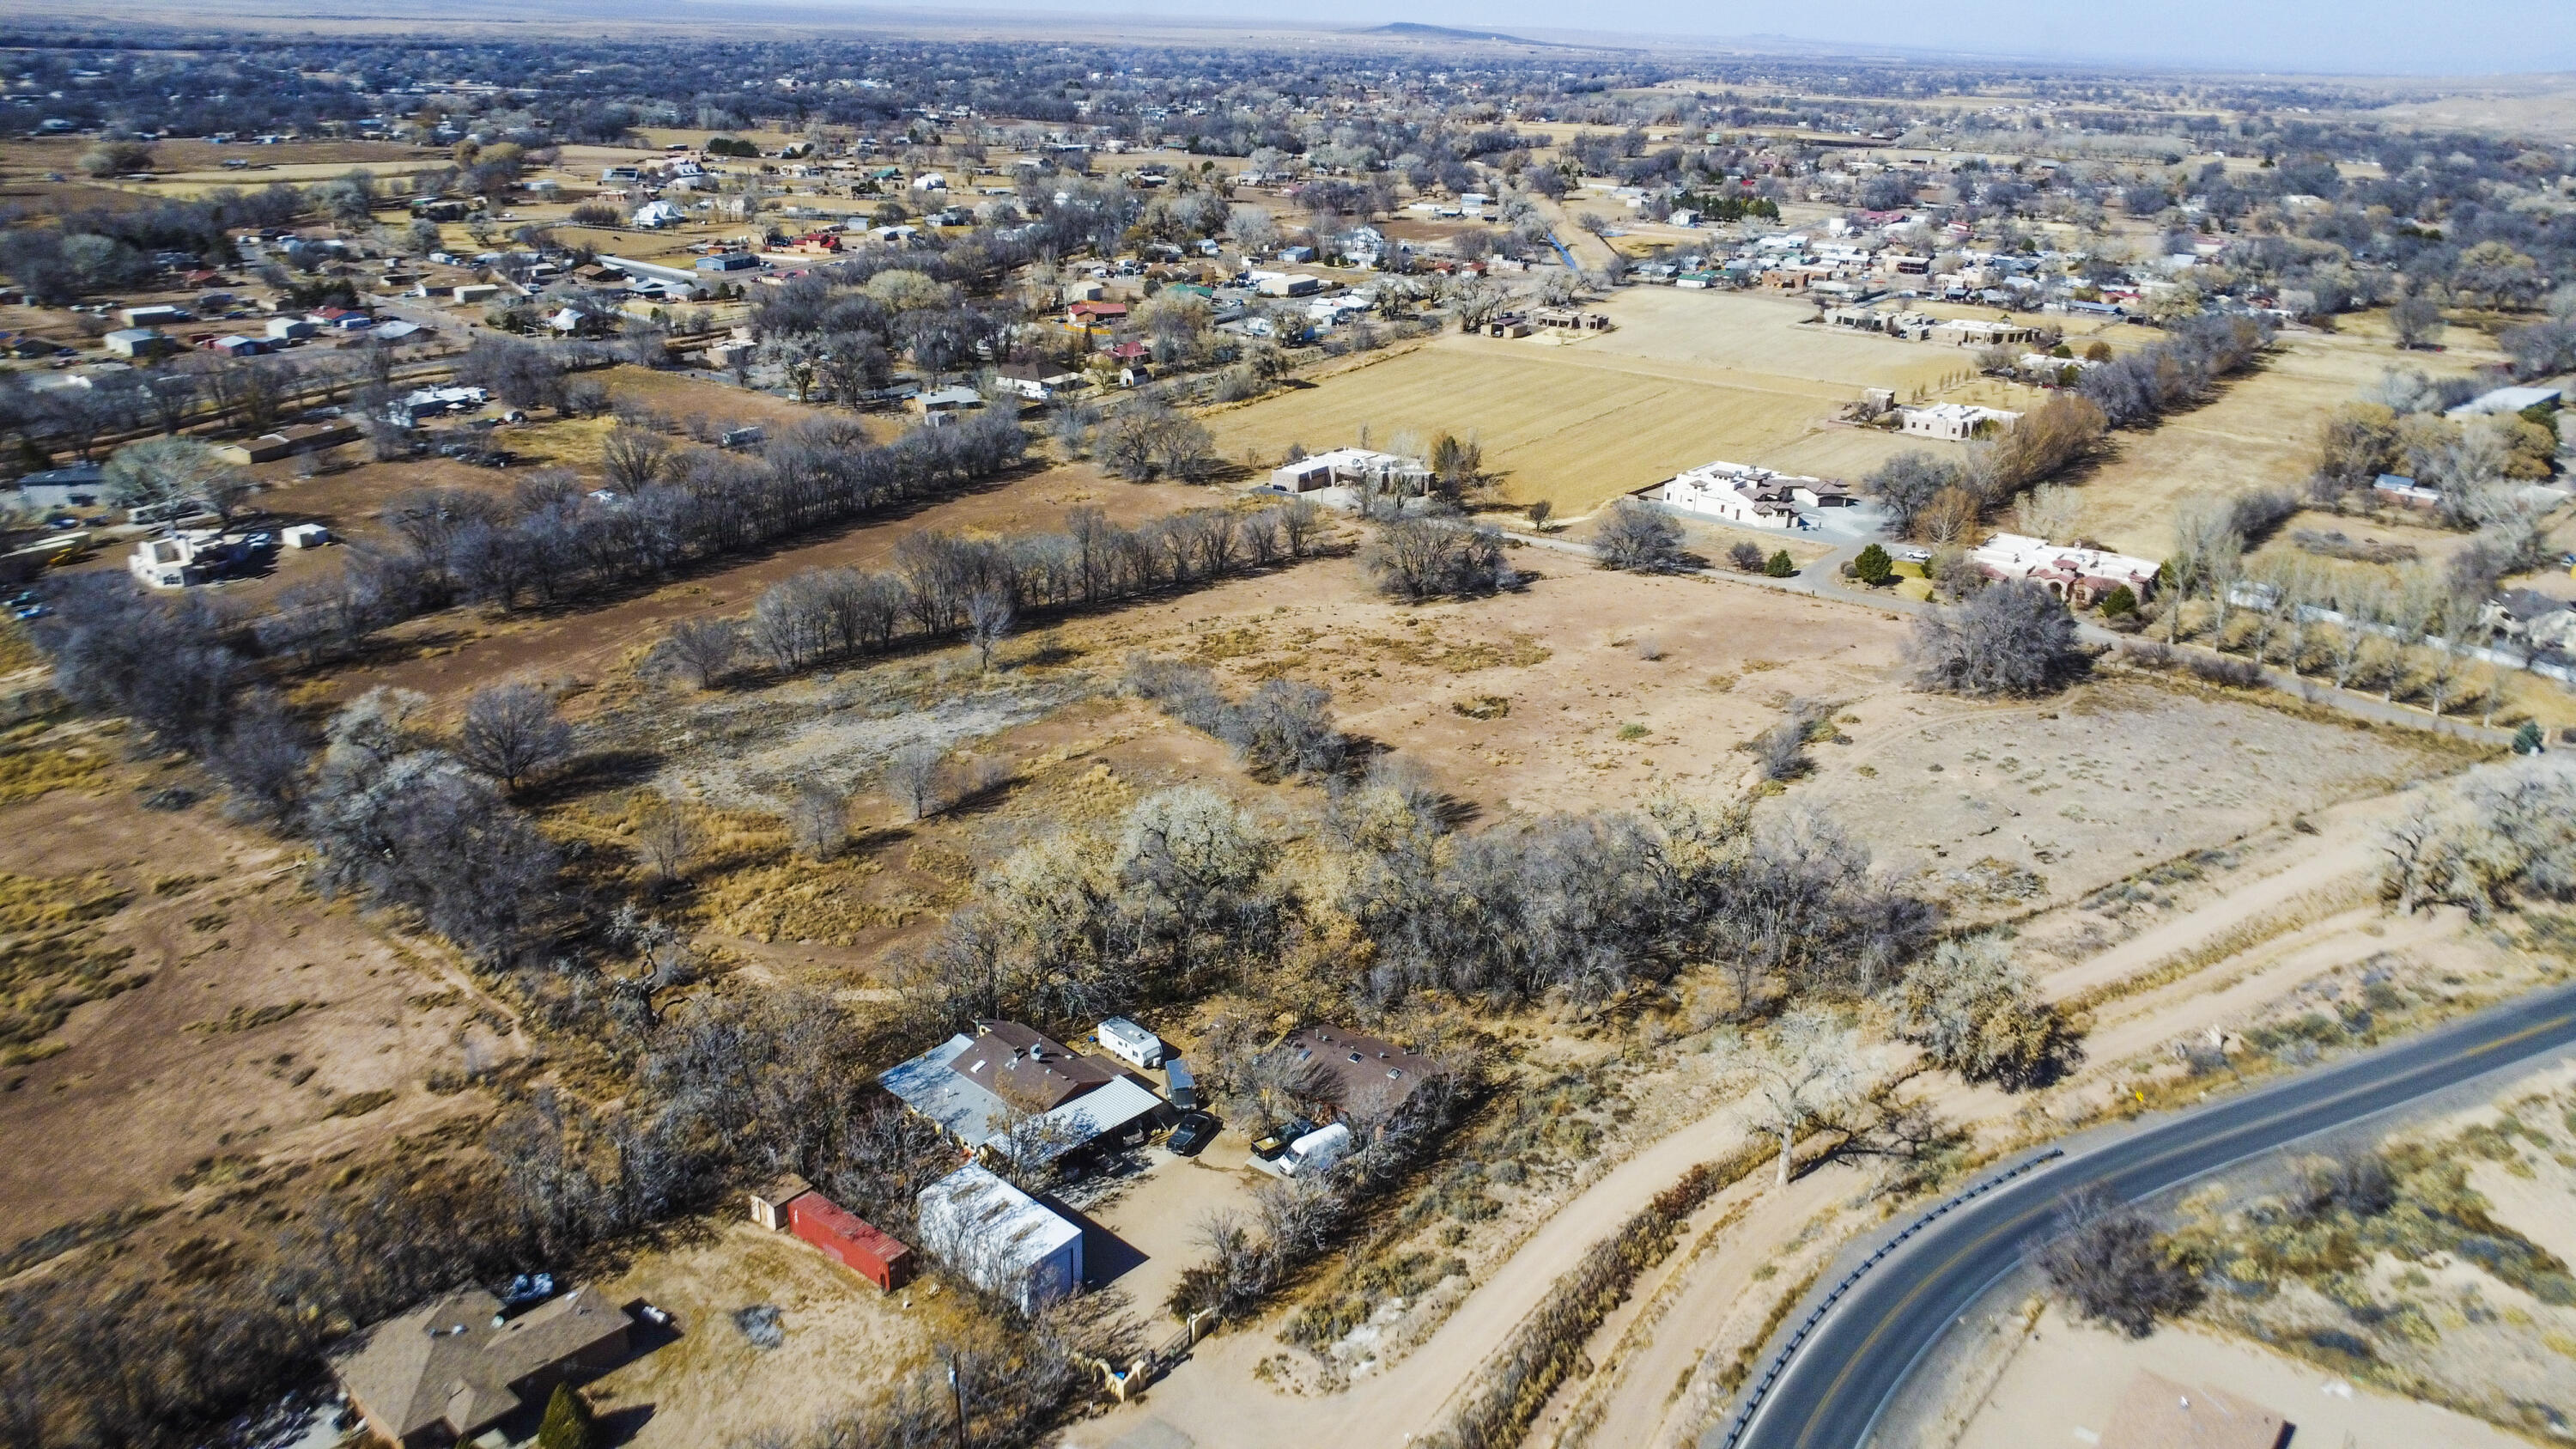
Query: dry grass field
(2260, 432)
(244, 1027)
(844, 1341)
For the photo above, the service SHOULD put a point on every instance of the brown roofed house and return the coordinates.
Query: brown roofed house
(454, 1366)
(1027, 1068)
(1372, 1075)
(2157, 1413)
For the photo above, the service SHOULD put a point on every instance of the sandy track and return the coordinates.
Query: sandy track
(1215, 1401)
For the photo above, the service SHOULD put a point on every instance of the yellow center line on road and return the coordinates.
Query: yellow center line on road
(1891, 1318)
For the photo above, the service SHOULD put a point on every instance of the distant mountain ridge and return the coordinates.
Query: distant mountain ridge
(1413, 31)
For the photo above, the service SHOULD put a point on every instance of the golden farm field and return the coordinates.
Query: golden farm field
(2259, 432)
(1556, 424)
(1685, 378)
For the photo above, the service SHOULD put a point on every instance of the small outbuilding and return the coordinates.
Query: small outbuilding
(138, 342)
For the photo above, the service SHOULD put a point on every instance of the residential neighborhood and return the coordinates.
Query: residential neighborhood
(800, 729)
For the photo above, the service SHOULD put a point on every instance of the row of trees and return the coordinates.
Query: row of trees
(552, 542)
(942, 585)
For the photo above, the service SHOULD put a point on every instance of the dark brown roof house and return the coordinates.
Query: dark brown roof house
(456, 1366)
(1028, 1069)
(1370, 1077)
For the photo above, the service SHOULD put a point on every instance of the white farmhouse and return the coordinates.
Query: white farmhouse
(1957, 422)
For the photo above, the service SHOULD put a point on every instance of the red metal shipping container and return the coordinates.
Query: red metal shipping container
(871, 1254)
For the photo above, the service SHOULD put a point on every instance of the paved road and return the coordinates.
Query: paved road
(1830, 1394)
(1823, 579)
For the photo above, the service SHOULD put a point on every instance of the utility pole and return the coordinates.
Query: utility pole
(957, 1388)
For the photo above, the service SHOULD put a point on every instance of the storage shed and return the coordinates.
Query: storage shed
(869, 1252)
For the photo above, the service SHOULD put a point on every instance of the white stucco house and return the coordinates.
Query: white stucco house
(1749, 497)
(1956, 422)
(1352, 467)
(2081, 576)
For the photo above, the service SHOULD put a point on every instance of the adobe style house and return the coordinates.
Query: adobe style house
(455, 1366)
(1956, 422)
(1753, 497)
(1352, 468)
(2081, 576)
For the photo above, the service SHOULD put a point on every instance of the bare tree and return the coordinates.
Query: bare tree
(703, 649)
(666, 838)
(989, 617)
(913, 775)
(2012, 638)
(1638, 537)
(2049, 511)
(633, 457)
(1803, 1075)
(511, 733)
(819, 818)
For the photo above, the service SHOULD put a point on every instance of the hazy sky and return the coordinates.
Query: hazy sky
(2377, 36)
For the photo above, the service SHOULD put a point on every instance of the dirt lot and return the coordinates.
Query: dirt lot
(2064, 1382)
(2009, 805)
(263, 1027)
(1687, 377)
(845, 1340)
(1155, 1216)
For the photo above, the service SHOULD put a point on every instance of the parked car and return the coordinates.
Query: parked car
(1194, 1131)
(1270, 1144)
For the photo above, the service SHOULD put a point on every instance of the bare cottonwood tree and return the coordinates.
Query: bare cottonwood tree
(989, 618)
(666, 838)
(511, 733)
(912, 777)
(819, 818)
(703, 649)
(1803, 1074)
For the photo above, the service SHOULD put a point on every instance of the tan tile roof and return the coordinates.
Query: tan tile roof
(446, 1361)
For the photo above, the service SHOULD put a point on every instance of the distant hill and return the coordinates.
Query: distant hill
(1411, 31)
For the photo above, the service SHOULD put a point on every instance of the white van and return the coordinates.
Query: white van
(1315, 1151)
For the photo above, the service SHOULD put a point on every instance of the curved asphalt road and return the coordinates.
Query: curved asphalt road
(1829, 1395)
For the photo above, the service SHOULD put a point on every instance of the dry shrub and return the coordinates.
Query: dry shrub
(26, 774)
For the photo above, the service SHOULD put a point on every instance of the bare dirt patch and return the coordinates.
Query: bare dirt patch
(711, 1385)
(1999, 808)
(262, 1027)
